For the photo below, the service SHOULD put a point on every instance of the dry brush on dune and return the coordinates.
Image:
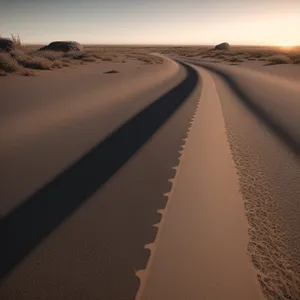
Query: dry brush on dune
(21, 58)
(271, 55)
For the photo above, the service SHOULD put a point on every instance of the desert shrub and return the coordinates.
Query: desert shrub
(262, 53)
(104, 54)
(2, 73)
(256, 55)
(20, 56)
(75, 54)
(57, 64)
(28, 73)
(146, 58)
(89, 59)
(295, 58)
(51, 55)
(16, 53)
(240, 52)
(279, 59)
(195, 53)
(16, 40)
(237, 58)
(65, 63)
(38, 63)
(7, 63)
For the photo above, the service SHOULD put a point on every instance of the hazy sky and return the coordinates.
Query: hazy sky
(258, 22)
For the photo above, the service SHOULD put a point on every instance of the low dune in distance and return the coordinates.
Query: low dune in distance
(26, 60)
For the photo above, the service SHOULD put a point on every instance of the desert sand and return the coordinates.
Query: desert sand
(261, 113)
(100, 183)
(200, 251)
(66, 113)
(170, 181)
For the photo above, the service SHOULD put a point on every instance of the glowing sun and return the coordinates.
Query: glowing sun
(286, 45)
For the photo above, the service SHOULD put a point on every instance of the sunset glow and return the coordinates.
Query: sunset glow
(189, 22)
(287, 45)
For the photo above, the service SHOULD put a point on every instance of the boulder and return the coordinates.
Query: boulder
(223, 46)
(63, 46)
(6, 45)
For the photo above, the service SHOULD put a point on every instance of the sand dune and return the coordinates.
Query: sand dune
(87, 163)
(58, 117)
(81, 235)
(200, 251)
(261, 114)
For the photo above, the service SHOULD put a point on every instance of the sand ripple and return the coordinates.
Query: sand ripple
(269, 180)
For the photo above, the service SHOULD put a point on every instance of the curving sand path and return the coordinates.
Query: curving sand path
(200, 250)
(88, 170)
(79, 193)
(198, 244)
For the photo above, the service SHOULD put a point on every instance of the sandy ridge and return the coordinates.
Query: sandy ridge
(152, 247)
(200, 252)
(268, 177)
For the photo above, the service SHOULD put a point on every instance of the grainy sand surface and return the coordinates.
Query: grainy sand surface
(269, 175)
(100, 183)
(200, 250)
(88, 160)
(288, 71)
(261, 115)
(48, 121)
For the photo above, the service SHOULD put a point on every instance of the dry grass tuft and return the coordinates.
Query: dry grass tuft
(16, 53)
(146, 58)
(16, 40)
(279, 59)
(104, 55)
(295, 59)
(51, 55)
(89, 59)
(37, 63)
(76, 55)
(234, 59)
(31, 58)
(65, 62)
(238, 54)
(3, 73)
(28, 73)
(7, 63)
(58, 64)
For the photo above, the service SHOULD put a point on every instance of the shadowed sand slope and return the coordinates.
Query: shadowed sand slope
(82, 235)
(262, 119)
(269, 172)
(200, 251)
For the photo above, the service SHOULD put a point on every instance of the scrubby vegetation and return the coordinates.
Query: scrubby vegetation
(7, 63)
(272, 55)
(23, 58)
(280, 59)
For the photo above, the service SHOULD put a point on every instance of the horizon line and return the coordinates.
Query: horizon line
(173, 45)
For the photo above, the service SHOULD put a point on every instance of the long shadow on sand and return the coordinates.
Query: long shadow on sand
(37, 216)
(291, 142)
